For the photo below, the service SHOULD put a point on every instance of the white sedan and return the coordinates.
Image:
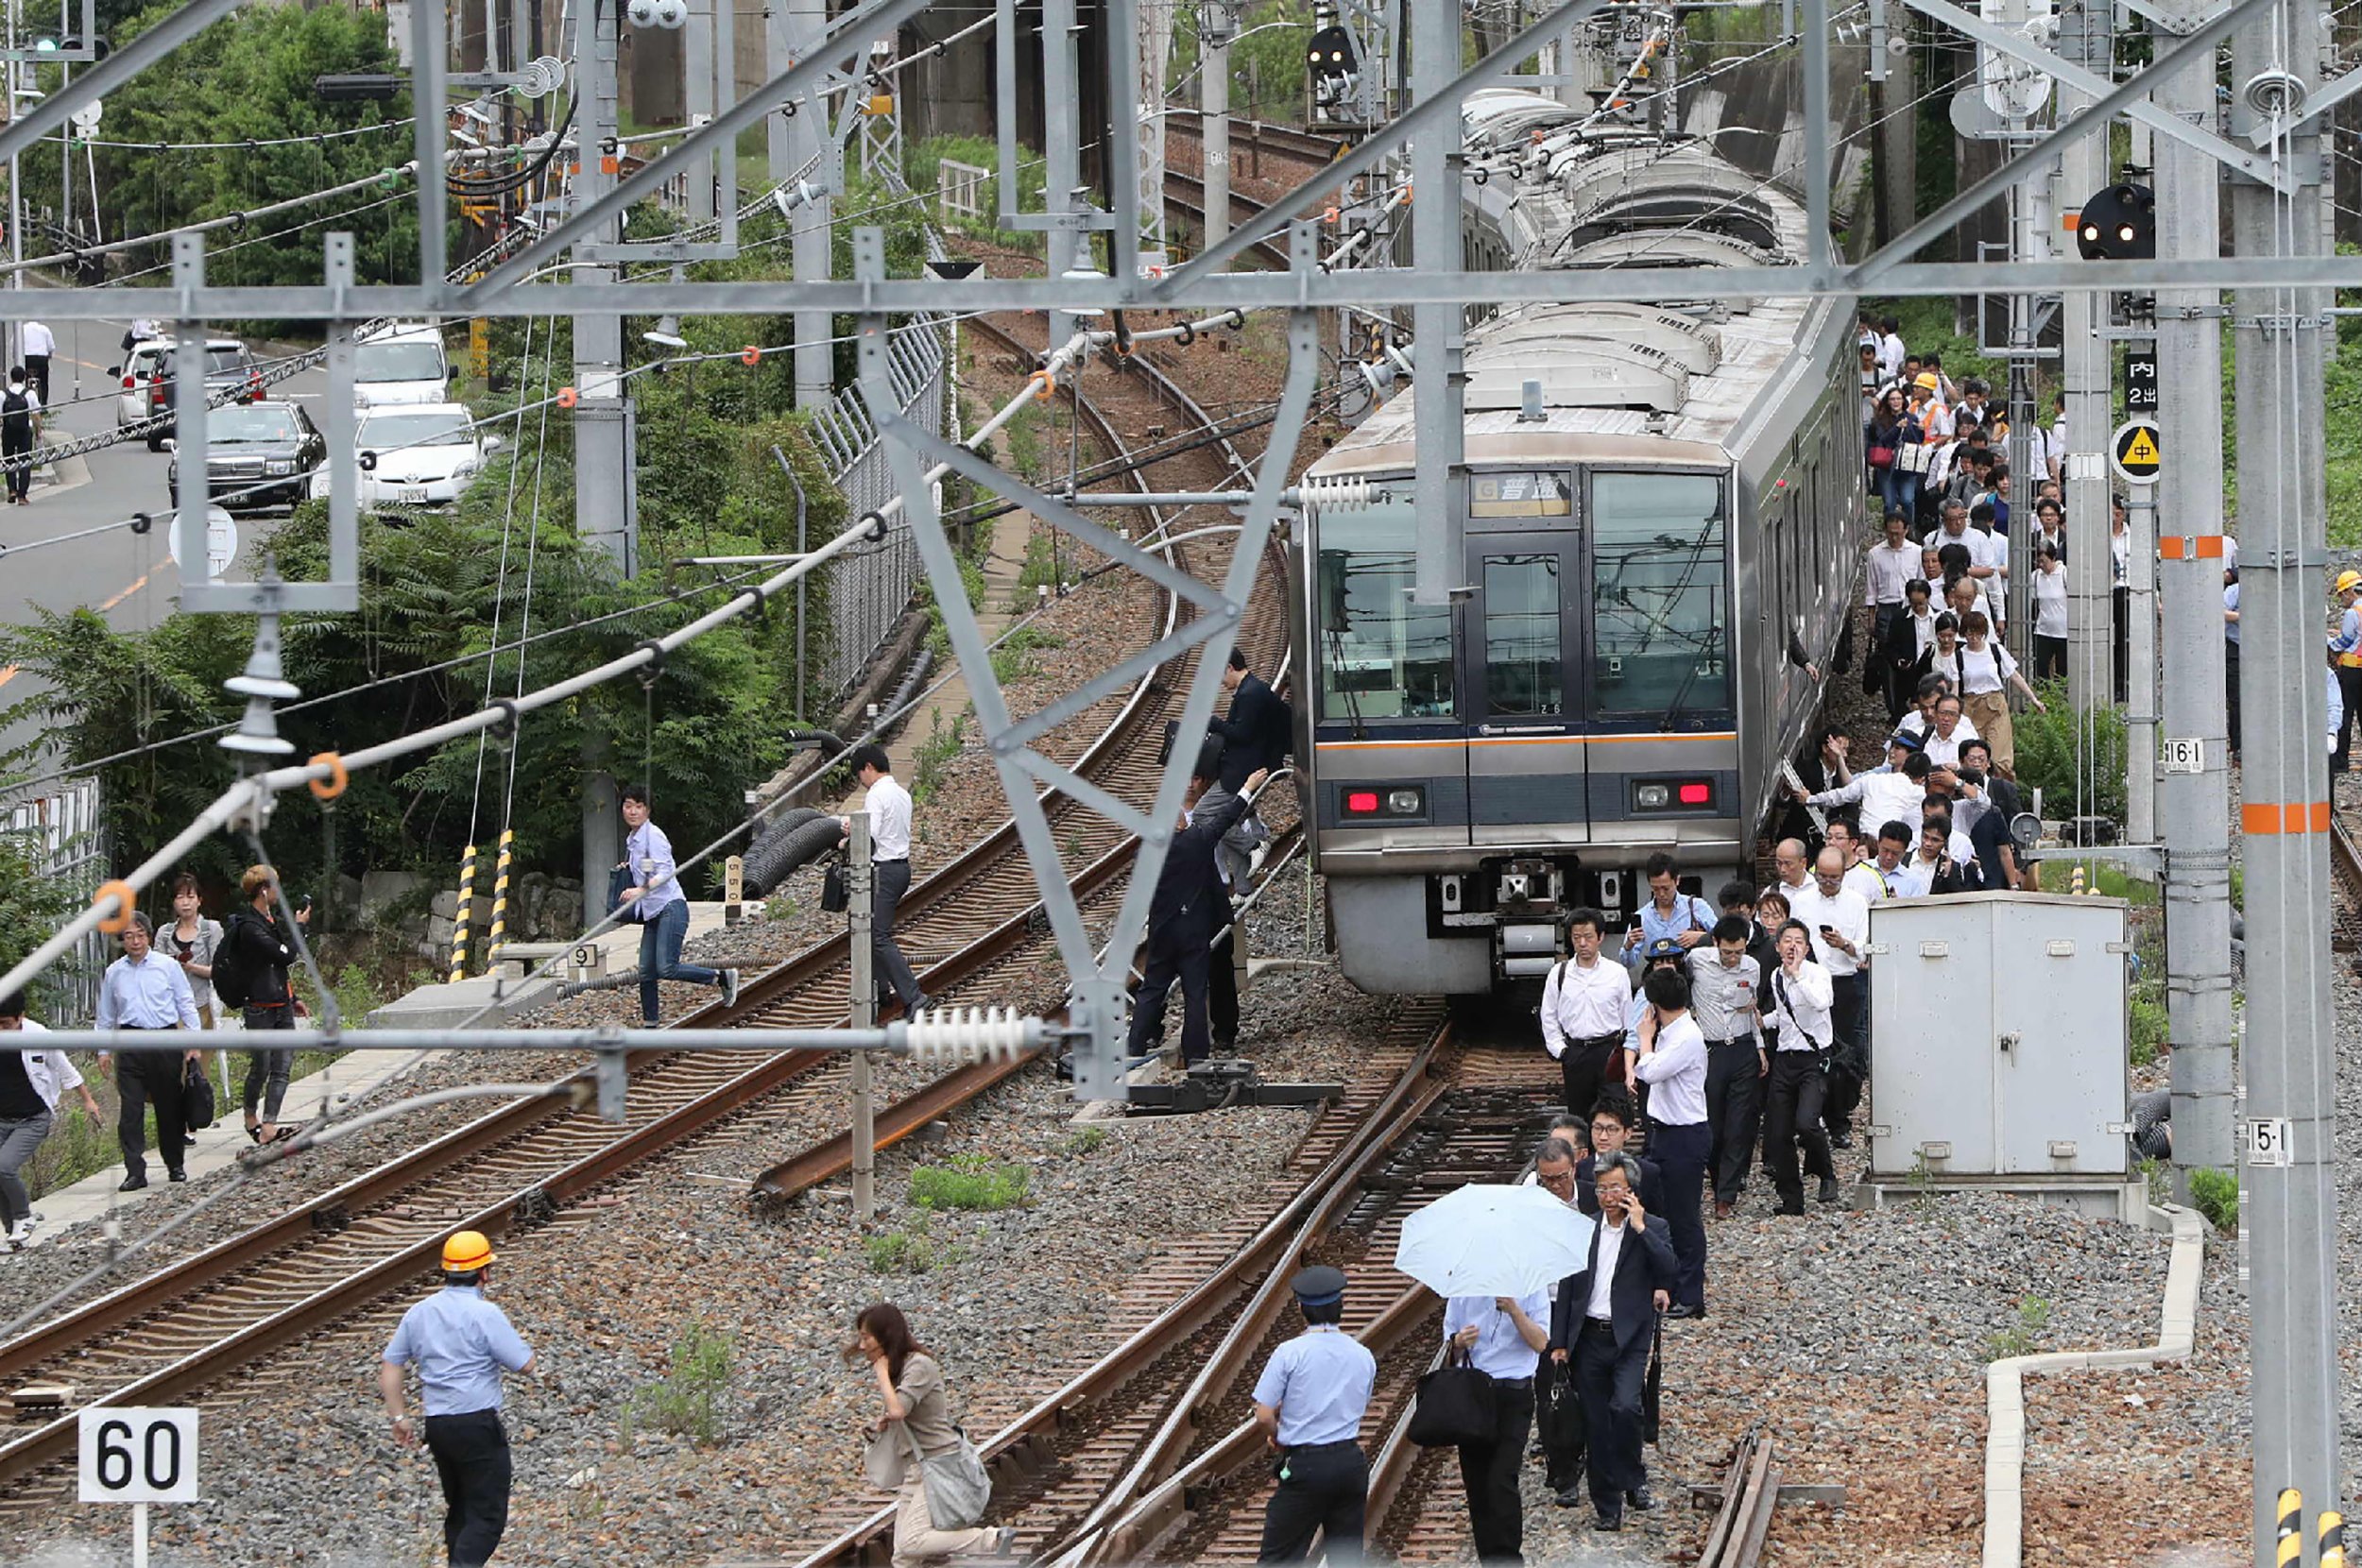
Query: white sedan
(418, 455)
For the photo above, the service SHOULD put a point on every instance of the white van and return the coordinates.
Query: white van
(400, 363)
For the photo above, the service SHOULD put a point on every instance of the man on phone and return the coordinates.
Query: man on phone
(1606, 1321)
(1838, 919)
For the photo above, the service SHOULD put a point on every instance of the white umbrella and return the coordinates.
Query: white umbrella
(1483, 1241)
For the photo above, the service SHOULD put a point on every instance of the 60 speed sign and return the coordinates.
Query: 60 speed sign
(137, 1455)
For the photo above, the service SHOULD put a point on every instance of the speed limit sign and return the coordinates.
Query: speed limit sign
(137, 1455)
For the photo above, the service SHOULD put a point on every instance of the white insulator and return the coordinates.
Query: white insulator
(1339, 493)
(967, 1035)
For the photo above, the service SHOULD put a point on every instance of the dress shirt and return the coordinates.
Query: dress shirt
(1862, 877)
(1890, 355)
(1890, 567)
(1320, 1383)
(1916, 723)
(1501, 1350)
(1675, 1072)
(2230, 608)
(1885, 795)
(51, 1074)
(1922, 631)
(1941, 750)
(1602, 1303)
(1690, 913)
(1845, 910)
(1799, 1007)
(2050, 603)
(151, 993)
(1909, 879)
(889, 807)
(1723, 997)
(1582, 1004)
(650, 854)
(38, 340)
(2120, 553)
(460, 1341)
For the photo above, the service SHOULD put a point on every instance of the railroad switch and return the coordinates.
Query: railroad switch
(1222, 1084)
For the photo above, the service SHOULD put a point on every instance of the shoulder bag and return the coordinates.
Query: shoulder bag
(617, 881)
(1455, 1405)
(196, 1097)
(835, 897)
(956, 1485)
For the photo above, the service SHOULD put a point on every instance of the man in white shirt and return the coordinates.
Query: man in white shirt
(889, 807)
(1604, 1323)
(1891, 350)
(1792, 1105)
(40, 346)
(1838, 919)
(1673, 1064)
(1891, 563)
(1584, 1003)
(1946, 733)
(1723, 983)
(662, 909)
(1883, 793)
(1848, 840)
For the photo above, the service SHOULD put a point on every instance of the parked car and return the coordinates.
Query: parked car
(145, 375)
(420, 455)
(400, 363)
(258, 455)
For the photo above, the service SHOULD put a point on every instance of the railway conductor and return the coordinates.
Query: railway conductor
(461, 1343)
(1309, 1402)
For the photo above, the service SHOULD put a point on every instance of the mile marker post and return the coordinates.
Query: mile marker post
(859, 895)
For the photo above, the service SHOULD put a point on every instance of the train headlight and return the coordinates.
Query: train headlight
(1652, 797)
(1673, 795)
(1406, 803)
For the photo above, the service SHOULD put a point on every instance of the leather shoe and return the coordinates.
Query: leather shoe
(1642, 1501)
(132, 1183)
(176, 1175)
(1610, 1520)
(1684, 1309)
(1829, 1193)
(1790, 1212)
(1724, 1208)
(1570, 1497)
(1841, 1140)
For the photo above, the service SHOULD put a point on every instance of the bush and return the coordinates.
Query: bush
(2149, 1031)
(969, 1182)
(2216, 1195)
(2033, 1316)
(693, 1400)
(2080, 772)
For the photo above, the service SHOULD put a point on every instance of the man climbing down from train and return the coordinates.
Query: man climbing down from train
(1254, 738)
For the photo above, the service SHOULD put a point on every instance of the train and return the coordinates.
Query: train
(1663, 511)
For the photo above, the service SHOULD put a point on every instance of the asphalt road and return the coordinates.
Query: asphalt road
(128, 577)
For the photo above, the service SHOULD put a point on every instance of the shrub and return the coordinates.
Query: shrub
(2033, 1316)
(2079, 771)
(2216, 1195)
(2149, 1030)
(692, 1401)
(969, 1182)
(910, 1252)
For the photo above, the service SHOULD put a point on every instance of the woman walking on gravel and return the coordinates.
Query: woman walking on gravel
(916, 1425)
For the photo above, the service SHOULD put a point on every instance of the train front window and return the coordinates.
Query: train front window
(1660, 609)
(1522, 667)
(1382, 655)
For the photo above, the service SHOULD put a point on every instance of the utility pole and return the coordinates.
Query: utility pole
(1218, 23)
(1898, 128)
(2290, 1062)
(2193, 808)
(1062, 153)
(861, 925)
(1152, 37)
(1436, 327)
(792, 30)
(700, 75)
(2030, 241)
(2084, 38)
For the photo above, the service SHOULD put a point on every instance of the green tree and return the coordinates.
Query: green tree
(30, 908)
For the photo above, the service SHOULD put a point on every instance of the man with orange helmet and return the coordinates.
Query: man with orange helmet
(461, 1343)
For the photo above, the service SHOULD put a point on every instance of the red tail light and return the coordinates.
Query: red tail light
(130, 384)
(1697, 792)
(1362, 802)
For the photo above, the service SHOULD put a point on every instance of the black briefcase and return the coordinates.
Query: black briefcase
(196, 1097)
(834, 897)
(1455, 1405)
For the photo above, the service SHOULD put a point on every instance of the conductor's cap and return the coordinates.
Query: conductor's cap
(1320, 1285)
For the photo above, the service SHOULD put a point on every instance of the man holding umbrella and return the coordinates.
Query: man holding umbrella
(1606, 1321)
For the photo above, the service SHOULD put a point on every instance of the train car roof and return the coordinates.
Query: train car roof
(1671, 379)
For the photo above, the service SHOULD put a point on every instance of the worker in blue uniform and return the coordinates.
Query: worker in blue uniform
(1309, 1402)
(461, 1343)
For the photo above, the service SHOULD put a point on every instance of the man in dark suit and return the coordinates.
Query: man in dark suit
(1189, 908)
(1254, 738)
(1605, 1321)
(1612, 1122)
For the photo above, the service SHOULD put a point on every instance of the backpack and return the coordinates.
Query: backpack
(16, 413)
(232, 985)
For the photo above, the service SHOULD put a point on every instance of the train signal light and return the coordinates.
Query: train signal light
(1333, 65)
(2118, 224)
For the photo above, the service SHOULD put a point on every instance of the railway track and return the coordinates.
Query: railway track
(1150, 1455)
(164, 1339)
(2345, 865)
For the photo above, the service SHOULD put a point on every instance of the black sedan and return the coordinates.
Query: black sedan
(258, 455)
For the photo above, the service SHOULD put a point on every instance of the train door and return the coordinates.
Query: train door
(1521, 691)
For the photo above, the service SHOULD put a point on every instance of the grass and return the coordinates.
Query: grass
(2019, 1338)
(693, 1400)
(1087, 1139)
(2147, 1030)
(1014, 658)
(969, 1182)
(913, 1250)
(2216, 1195)
(2079, 773)
(2159, 1175)
(1040, 569)
(934, 754)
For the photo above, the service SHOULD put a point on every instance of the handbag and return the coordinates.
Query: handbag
(1558, 1412)
(196, 1097)
(1881, 457)
(617, 881)
(1652, 1385)
(1455, 1405)
(833, 895)
(956, 1485)
(1914, 458)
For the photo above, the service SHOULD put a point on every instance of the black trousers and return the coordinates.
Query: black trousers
(472, 1455)
(145, 1078)
(20, 476)
(2231, 690)
(1488, 1473)
(1612, 1419)
(266, 1071)
(2350, 690)
(890, 880)
(1793, 1113)
(37, 376)
(1583, 1068)
(1849, 1014)
(1165, 964)
(1734, 1113)
(1321, 1491)
(1680, 1152)
(1222, 993)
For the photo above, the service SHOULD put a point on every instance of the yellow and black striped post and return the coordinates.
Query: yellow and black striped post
(2289, 1547)
(2333, 1537)
(459, 922)
(497, 938)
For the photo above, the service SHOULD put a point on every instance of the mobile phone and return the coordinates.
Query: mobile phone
(1828, 931)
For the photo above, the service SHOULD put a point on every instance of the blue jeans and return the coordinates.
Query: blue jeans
(1899, 490)
(660, 941)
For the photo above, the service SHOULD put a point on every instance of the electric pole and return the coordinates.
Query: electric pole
(1218, 22)
(2083, 38)
(1435, 341)
(792, 30)
(2290, 1062)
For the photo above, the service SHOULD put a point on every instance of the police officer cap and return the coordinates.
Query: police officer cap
(1906, 740)
(1319, 1285)
(1666, 947)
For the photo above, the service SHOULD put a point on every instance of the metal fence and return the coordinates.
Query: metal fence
(62, 834)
